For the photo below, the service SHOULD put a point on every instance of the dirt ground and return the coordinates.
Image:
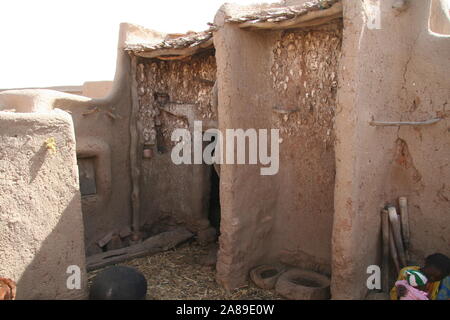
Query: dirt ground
(188, 273)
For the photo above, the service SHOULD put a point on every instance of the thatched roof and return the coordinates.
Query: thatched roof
(175, 45)
(178, 46)
(309, 13)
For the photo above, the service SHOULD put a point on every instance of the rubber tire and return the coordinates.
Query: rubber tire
(287, 288)
(267, 283)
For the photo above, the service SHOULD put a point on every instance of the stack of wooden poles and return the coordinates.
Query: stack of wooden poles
(395, 236)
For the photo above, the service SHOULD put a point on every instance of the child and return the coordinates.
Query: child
(414, 287)
(444, 289)
(437, 267)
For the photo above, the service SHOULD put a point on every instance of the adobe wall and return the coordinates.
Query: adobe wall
(173, 94)
(285, 217)
(101, 130)
(304, 215)
(396, 73)
(40, 211)
(96, 89)
(102, 136)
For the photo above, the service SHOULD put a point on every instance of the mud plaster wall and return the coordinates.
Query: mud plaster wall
(172, 94)
(286, 217)
(103, 133)
(40, 211)
(396, 73)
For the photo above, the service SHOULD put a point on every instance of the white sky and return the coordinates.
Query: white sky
(52, 43)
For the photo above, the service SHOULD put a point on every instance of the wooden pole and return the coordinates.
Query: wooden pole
(161, 242)
(403, 204)
(393, 251)
(396, 231)
(385, 259)
(134, 146)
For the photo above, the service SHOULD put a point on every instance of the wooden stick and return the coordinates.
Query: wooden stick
(385, 258)
(134, 146)
(396, 231)
(104, 240)
(403, 203)
(404, 123)
(161, 242)
(112, 115)
(170, 58)
(91, 111)
(189, 51)
(393, 251)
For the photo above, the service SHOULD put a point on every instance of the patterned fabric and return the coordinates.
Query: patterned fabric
(444, 289)
(432, 287)
(411, 292)
(416, 278)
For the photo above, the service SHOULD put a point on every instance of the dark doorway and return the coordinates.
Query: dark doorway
(214, 200)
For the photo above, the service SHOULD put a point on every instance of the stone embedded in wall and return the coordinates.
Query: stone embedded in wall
(178, 82)
(305, 66)
(171, 95)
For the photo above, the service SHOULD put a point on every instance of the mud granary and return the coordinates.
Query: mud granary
(77, 173)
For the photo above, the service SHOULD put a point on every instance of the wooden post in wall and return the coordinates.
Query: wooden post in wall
(134, 145)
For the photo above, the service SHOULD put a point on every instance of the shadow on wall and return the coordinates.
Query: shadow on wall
(45, 276)
(36, 162)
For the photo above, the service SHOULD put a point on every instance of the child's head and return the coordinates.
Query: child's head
(437, 267)
(416, 279)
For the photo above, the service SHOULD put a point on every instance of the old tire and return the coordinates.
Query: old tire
(265, 276)
(297, 284)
